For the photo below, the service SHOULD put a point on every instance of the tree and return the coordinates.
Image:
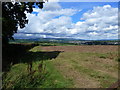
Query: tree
(13, 16)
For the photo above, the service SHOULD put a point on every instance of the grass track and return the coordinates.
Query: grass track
(70, 69)
(98, 68)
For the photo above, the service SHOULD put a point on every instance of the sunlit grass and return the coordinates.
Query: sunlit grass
(63, 70)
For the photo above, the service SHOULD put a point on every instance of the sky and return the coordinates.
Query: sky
(78, 20)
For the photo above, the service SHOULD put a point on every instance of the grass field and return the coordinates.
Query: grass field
(94, 66)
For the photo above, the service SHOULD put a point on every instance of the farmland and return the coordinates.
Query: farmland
(87, 66)
(84, 66)
(52, 44)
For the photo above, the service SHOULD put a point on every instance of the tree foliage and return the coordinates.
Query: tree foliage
(13, 16)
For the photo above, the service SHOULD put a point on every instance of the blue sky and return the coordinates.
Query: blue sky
(79, 20)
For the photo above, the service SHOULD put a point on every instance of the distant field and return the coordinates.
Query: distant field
(83, 48)
(94, 66)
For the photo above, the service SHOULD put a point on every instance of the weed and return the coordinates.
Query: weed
(104, 56)
(28, 79)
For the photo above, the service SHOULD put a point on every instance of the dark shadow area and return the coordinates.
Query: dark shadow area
(19, 53)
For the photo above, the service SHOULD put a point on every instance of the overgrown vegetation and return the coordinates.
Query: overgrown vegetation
(20, 77)
(31, 68)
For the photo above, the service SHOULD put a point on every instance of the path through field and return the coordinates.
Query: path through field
(87, 66)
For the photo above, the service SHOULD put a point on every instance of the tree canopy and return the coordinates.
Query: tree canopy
(13, 16)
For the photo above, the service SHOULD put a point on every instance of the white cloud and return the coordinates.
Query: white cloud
(93, 33)
(111, 28)
(46, 21)
(28, 34)
(51, 6)
(98, 23)
(53, 0)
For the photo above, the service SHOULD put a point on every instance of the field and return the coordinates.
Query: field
(84, 66)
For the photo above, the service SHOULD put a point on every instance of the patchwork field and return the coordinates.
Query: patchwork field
(94, 66)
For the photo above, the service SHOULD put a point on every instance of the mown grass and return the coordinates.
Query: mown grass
(57, 65)
(55, 78)
(88, 65)
(104, 79)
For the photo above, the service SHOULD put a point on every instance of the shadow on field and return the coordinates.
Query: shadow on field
(19, 53)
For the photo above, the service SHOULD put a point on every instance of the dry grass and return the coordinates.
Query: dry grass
(87, 66)
(83, 48)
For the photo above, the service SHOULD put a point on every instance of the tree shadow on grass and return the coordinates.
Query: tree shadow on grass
(19, 53)
(38, 56)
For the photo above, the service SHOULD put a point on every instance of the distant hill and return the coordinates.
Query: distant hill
(63, 39)
(68, 40)
(51, 39)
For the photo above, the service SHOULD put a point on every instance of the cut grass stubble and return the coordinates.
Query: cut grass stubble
(71, 69)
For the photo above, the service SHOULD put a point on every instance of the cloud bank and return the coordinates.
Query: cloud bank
(53, 21)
